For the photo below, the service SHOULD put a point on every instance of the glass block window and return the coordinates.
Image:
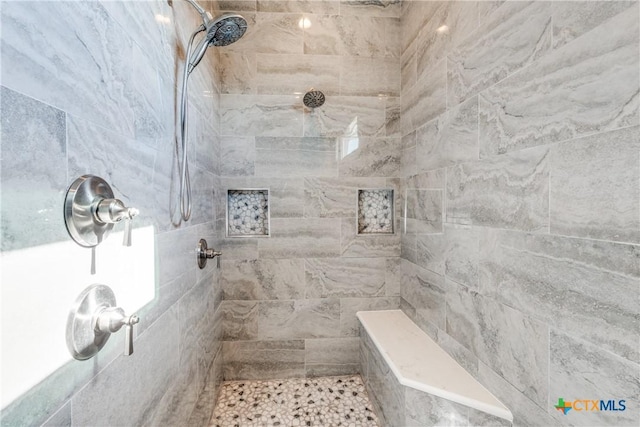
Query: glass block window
(248, 213)
(375, 211)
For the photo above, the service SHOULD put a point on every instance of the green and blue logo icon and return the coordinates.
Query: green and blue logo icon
(590, 405)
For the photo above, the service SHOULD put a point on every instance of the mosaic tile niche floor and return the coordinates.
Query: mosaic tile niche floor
(325, 402)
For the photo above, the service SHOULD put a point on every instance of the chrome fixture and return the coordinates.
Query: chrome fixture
(221, 31)
(204, 253)
(92, 320)
(90, 211)
(313, 99)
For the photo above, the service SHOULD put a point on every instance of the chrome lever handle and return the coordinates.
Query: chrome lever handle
(204, 253)
(112, 319)
(111, 211)
(128, 338)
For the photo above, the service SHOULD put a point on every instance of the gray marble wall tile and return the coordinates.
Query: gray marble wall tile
(344, 277)
(465, 357)
(289, 156)
(309, 318)
(33, 171)
(349, 35)
(335, 197)
(237, 156)
(509, 191)
(461, 255)
(270, 33)
(369, 76)
(301, 238)
(515, 113)
(365, 8)
(384, 388)
(479, 418)
(426, 293)
(525, 412)
(515, 347)
(331, 370)
(237, 72)
(408, 247)
(408, 161)
(62, 418)
(424, 211)
(431, 179)
(82, 49)
(323, 7)
(393, 123)
(587, 288)
(408, 68)
(260, 115)
(295, 74)
(369, 157)
(347, 117)
(430, 252)
(434, 41)
(263, 279)
(572, 19)
(597, 199)
(393, 276)
(428, 98)
(583, 371)
(258, 360)
(202, 193)
(350, 306)
(156, 347)
(514, 36)
(240, 319)
(371, 246)
(332, 351)
(424, 409)
(238, 5)
(450, 139)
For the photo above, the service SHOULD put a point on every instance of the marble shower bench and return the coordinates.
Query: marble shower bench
(414, 382)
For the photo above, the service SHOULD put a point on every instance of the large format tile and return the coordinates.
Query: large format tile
(295, 74)
(587, 288)
(332, 351)
(517, 34)
(461, 255)
(33, 171)
(369, 76)
(425, 291)
(251, 360)
(263, 279)
(260, 115)
(344, 277)
(428, 98)
(237, 155)
(510, 191)
(240, 319)
(289, 157)
(347, 117)
(597, 198)
(584, 371)
(301, 238)
(572, 91)
(424, 211)
(450, 139)
(424, 409)
(237, 72)
(514, 346)
(323, 7)
(310, 318)
(369, 157)
(349, 323)
(80, 48)
(571, 19)
(270, 33)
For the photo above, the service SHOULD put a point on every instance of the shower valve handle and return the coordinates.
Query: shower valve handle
(112, 319)
(111, 211)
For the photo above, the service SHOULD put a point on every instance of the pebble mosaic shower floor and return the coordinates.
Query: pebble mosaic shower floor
(325, 402)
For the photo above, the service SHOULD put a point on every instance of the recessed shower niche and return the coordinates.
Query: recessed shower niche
(248, 212)
(375, 211)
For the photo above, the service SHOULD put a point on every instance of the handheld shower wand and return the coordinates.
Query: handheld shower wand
(221, 31)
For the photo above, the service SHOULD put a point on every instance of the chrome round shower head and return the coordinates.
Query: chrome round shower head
(313, 99)
(226, 29)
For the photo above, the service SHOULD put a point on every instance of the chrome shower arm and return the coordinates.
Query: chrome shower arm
(206, 16)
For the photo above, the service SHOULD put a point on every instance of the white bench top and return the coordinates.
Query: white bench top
(418, 362)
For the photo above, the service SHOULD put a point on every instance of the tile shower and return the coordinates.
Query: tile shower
(509, 140)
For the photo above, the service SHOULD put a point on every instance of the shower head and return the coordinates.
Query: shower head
(222, 31)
